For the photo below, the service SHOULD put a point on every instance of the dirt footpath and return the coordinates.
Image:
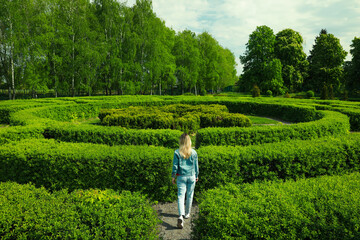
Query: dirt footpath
(168, 213)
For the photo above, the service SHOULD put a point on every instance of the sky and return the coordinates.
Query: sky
(231, 22)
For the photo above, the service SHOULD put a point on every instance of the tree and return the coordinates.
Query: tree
(352, 68)
(260, 65)
(325, 62)
(226, 68)
(11, 26)
(209, 60)
(289, 50)
(187, 57)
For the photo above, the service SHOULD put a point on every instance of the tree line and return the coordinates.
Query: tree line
(74, 47)
(277, 63)
(86, 47)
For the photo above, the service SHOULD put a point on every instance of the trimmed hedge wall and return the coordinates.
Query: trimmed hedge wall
(331, 124)
(34, 213)
(147, 168)
(18, 133)
(113, 135)
(285, 160)
(354, 117)
(57, 165)
(286, 112)
(182, 117)
(53, 113)
(321, 208)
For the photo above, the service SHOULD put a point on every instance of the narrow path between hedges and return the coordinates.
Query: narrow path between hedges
(271, 124)
(168, 214)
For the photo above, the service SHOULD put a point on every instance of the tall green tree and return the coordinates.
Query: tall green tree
(12, 40)
(111, 16)
(353, 68)
(75, 29)
(209, 54)
(226, 68)
(325, 62)
(289, 50)
(187, 54)
(260, 64)
(142, 27)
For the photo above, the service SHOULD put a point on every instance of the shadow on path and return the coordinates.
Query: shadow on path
(168, 214)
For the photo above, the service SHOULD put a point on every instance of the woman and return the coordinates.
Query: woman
(185, 166)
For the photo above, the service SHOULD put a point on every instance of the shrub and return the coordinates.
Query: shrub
(285, 160)
(34, 213)
(20, 132)
(182, 117)
(255, 92)
(113, 135)
(320, 208)
(269, 93)
(280, 110)
(324, 93)
(310, 94)
(73, 166)
(331, 124)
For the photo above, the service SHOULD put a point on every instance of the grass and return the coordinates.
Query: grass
(262, 120)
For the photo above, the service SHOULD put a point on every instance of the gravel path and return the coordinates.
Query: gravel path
(168, 213)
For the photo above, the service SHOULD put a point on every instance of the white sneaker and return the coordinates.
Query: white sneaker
(187, 216)
(180, 223)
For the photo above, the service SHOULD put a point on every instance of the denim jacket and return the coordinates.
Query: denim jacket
(185, 167)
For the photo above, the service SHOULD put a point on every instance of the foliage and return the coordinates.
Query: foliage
(319, 208)
(324, 92)
(310, 94)
(255, 91)
(33, 213)
(269, 93)
(289, 50)
(182, 117)
(83, 47)
(261, 67)
(326, 60)
(353, 78)
(112, 135)
(332, 124)
(73, 166)
(56, 165)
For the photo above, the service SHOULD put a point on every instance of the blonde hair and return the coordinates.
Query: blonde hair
(185, 146)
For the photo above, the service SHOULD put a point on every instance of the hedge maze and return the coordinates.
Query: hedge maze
(109, 158)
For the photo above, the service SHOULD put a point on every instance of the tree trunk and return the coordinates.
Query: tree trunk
(12, 64)
(9, 93)
(73, 70)
(12, 77)
(55, 81)
(195, 90)
(160, 87)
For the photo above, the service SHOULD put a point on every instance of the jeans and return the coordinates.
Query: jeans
(185, 184)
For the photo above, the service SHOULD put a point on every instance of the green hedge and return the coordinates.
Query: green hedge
(57, 165)
(113, 135)
(280, 110)
(182, 117)
(321, 208)
(147, 169)
(354, 117)
(34, 213)
(331, 124)
(285, 160)
(19, 133)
